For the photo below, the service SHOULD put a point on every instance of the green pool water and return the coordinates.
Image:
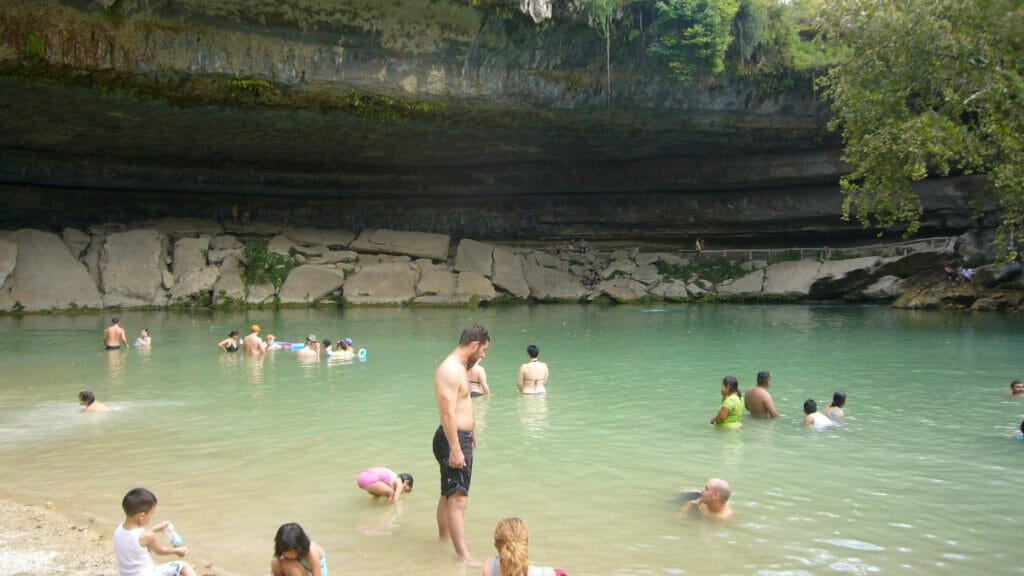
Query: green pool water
(921, 478)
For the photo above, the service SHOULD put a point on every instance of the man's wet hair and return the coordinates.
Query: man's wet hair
(474, 333)
(87, 396)
(763, 376)
(810, 406)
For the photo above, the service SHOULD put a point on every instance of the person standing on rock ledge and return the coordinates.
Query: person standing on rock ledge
(113, 335)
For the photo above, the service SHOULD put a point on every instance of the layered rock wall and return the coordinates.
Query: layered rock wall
(203, 266)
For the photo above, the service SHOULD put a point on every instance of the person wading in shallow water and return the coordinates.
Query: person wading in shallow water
(113, 335)
(453, 441)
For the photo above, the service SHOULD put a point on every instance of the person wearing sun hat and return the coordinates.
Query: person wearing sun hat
(310, 352)
(253, 344)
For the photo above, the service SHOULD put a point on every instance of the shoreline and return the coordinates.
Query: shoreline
(41, 539)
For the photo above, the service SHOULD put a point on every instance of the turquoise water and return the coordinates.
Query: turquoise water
(922, 477)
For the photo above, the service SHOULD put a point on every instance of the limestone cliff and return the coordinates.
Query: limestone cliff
(423, 115)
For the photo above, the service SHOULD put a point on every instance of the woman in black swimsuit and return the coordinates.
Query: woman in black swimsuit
(230, 344)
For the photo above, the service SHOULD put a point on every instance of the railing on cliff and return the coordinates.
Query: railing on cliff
(824, 253)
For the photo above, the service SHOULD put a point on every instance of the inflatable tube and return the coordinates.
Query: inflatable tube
(362, 354)
(297, 346)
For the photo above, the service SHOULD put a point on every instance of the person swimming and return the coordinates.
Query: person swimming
(835, 409)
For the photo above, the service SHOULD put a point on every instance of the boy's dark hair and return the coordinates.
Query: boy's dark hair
(291, 536)
(138, 500)
(532, 351)
(810, 406)
(474, 333)
(406, 477)
(87, 397)
(1014, 383)
(763, 376)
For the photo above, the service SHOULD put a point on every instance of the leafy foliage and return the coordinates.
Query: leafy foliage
(774, 46)
(693, 35)
(263, 266)
(925, 88)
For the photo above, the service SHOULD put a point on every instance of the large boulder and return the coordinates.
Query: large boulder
(384, 283)
(884, 288)
(8, 259)
(750, 285)
(47, 276)
(508, 273)
(190, 254)
(674, 290)
(282, 245)
(646, 274)
(414, 244)
(76, 240)
(310, 283)
(475, 257)
(131, 268)
(996, 274)
(333, 239)
(551, 285)
(197, 282)
(473, 286)
(1000, 301)
(790, 278)
(436, 285)
(334, 257)
(840, 278)
(229, 285)
(620, 290)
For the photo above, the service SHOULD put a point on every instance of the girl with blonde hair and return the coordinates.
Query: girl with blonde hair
(512, 541)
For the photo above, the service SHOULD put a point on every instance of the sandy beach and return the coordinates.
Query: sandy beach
(37, 539)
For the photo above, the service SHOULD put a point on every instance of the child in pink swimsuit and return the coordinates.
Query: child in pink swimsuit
(380, 481)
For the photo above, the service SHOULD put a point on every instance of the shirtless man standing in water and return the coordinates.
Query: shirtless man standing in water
(113, 335)
(453, 441)
(533, 376)
(253, 344)
(759, 402)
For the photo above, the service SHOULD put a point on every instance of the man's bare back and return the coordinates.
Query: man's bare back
(113, 335)
(759, 403)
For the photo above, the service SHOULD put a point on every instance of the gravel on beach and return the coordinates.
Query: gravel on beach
(37, 539)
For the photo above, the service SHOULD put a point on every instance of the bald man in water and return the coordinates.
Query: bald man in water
(713, 502)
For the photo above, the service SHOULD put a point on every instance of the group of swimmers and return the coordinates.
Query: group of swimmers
(310, 350)
(760, 405)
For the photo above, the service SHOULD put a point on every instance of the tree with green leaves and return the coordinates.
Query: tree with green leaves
(693, 35)
(928, 88)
